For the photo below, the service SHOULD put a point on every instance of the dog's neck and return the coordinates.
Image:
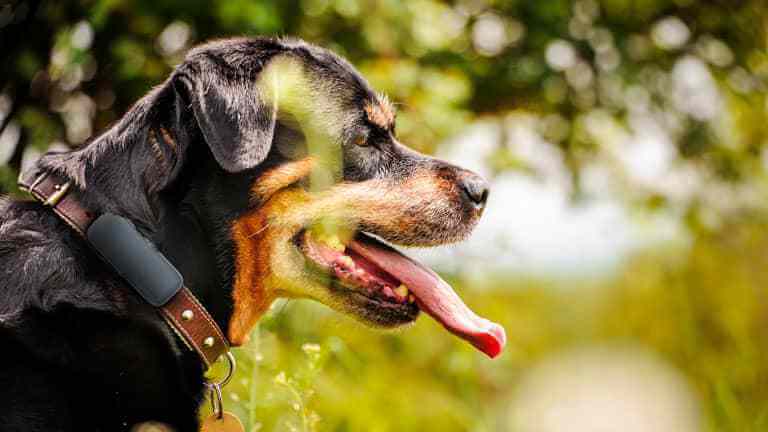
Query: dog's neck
(195, 233)
(183, 202)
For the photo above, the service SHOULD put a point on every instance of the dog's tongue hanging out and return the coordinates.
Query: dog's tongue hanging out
(434, 296)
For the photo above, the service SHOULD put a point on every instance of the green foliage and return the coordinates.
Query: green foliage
(444, 63)
(699, 308)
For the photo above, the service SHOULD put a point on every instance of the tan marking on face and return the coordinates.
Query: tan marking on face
(254, 245)
(380, 112)
(250, 298)
(419, 210)
(280, 177)
(262, 251)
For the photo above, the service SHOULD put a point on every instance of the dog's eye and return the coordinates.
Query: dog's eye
(361, 140)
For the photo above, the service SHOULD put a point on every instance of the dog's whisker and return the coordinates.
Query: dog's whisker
(261, 230)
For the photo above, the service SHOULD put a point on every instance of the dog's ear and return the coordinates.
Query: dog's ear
(231, 114)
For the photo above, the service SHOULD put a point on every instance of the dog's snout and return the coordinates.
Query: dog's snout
(475, 188)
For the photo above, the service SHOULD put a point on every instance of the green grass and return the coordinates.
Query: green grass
(702, 312)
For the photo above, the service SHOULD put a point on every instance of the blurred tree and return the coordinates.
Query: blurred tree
(598, 75)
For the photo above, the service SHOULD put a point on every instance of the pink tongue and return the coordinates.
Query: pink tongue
(434, 296)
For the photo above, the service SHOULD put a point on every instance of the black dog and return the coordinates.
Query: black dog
(215, 167)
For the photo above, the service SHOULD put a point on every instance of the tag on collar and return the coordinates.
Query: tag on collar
(221, 420)
(228, 422)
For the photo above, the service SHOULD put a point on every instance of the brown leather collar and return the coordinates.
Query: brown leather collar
(183, 312)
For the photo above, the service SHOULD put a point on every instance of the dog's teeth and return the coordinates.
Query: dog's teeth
(359, 272)
(347, 261)
(335, 244)
(332, 241)
(402, 291)
(329, 239)
(387, 290)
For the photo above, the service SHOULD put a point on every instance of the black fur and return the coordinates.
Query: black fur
(80, 350)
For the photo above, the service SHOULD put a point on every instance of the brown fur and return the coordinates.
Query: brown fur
(253, 243)
(280, 177)
(251, 300)
(380, 112)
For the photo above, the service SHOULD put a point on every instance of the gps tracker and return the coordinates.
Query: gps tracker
(135, 259)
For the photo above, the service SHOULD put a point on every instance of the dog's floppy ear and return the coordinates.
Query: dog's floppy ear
(232, 115)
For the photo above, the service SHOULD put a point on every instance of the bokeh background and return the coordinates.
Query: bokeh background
(624, 248)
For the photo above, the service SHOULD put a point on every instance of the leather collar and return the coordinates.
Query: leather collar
(183, 312)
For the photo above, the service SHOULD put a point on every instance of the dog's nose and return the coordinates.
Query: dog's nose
(476, 189)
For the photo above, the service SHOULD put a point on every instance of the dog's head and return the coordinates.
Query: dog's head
(318, 227)
(328, 183)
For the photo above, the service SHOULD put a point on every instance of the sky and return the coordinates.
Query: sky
(532, 227)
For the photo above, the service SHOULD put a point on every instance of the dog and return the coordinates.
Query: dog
(262, 168)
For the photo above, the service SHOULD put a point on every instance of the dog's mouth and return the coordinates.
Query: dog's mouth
(387, 288)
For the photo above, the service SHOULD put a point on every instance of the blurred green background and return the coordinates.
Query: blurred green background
(625, 246)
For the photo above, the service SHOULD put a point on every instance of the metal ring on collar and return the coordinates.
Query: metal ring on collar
(230, 371)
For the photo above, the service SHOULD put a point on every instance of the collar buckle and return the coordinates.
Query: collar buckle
(61, 192)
